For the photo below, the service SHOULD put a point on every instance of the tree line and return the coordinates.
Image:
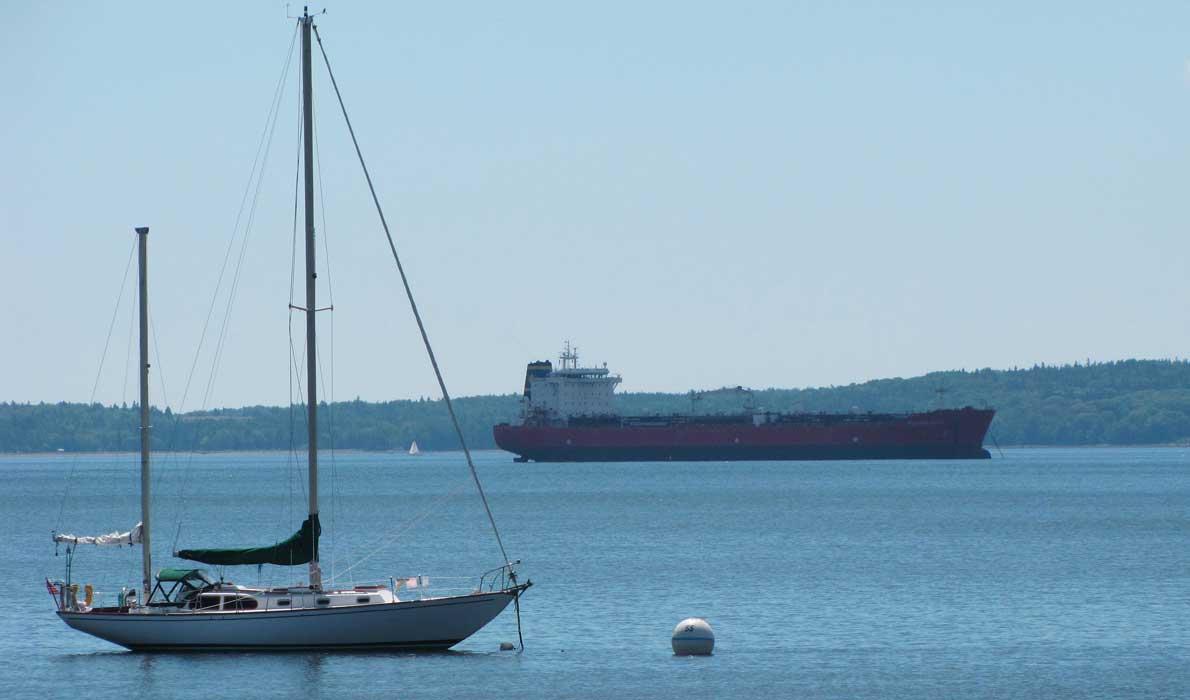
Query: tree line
(1130, 402)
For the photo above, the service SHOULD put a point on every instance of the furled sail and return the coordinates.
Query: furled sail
(301, 548)
(111, 539)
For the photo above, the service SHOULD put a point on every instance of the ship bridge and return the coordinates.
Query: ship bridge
(557, 394)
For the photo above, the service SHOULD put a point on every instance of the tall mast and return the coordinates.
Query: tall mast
(142, 235)
(311, 275)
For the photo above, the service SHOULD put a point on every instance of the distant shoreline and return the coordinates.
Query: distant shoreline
(302, 452)
(1119, 404)
(354, 450)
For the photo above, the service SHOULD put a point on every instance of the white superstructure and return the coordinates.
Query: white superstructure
(569, 390)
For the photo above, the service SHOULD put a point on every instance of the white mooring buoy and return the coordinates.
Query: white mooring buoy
(693, 637)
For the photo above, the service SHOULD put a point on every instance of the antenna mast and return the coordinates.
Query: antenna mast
(569, 356)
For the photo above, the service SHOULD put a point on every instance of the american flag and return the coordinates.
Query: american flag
(49, 586)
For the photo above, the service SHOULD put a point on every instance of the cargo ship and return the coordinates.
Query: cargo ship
(568, 415)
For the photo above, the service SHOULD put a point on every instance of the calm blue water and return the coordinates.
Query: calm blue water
(1048, 573)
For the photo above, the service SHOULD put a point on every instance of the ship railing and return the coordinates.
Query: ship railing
(499, 579)
(72, 597)
(422, 586)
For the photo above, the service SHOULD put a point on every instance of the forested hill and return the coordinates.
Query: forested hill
(1124, 403)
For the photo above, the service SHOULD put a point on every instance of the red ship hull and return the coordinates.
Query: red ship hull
(942, 434)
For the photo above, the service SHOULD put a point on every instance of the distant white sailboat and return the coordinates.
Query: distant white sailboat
(187, 609)
(413, 449)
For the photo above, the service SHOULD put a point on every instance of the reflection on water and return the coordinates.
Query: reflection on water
(148, 677)
(312, 669)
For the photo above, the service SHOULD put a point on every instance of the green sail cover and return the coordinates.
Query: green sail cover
(298, 549)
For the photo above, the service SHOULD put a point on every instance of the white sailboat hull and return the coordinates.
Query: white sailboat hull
(437, 623)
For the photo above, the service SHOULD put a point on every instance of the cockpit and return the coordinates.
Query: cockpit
(177, 586)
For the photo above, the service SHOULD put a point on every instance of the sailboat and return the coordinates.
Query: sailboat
(413, 450)
(188, 609)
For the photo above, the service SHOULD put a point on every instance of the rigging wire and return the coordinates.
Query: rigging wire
(255, 174)
(330, 407)
(95, 386)
(157, 359)
(236, 226)
(235, 278)
(291, 369)
(122, 429)
(413, 304)
(330, 289)
(129, 429)
(160, 473)
(389, 540)
(128, 357)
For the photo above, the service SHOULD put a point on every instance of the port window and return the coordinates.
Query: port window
(363, 599)
(323, 601)
(206, 602)
(283, 602)
(240, 603)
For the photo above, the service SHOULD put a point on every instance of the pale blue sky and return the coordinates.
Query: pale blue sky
(767, 194)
